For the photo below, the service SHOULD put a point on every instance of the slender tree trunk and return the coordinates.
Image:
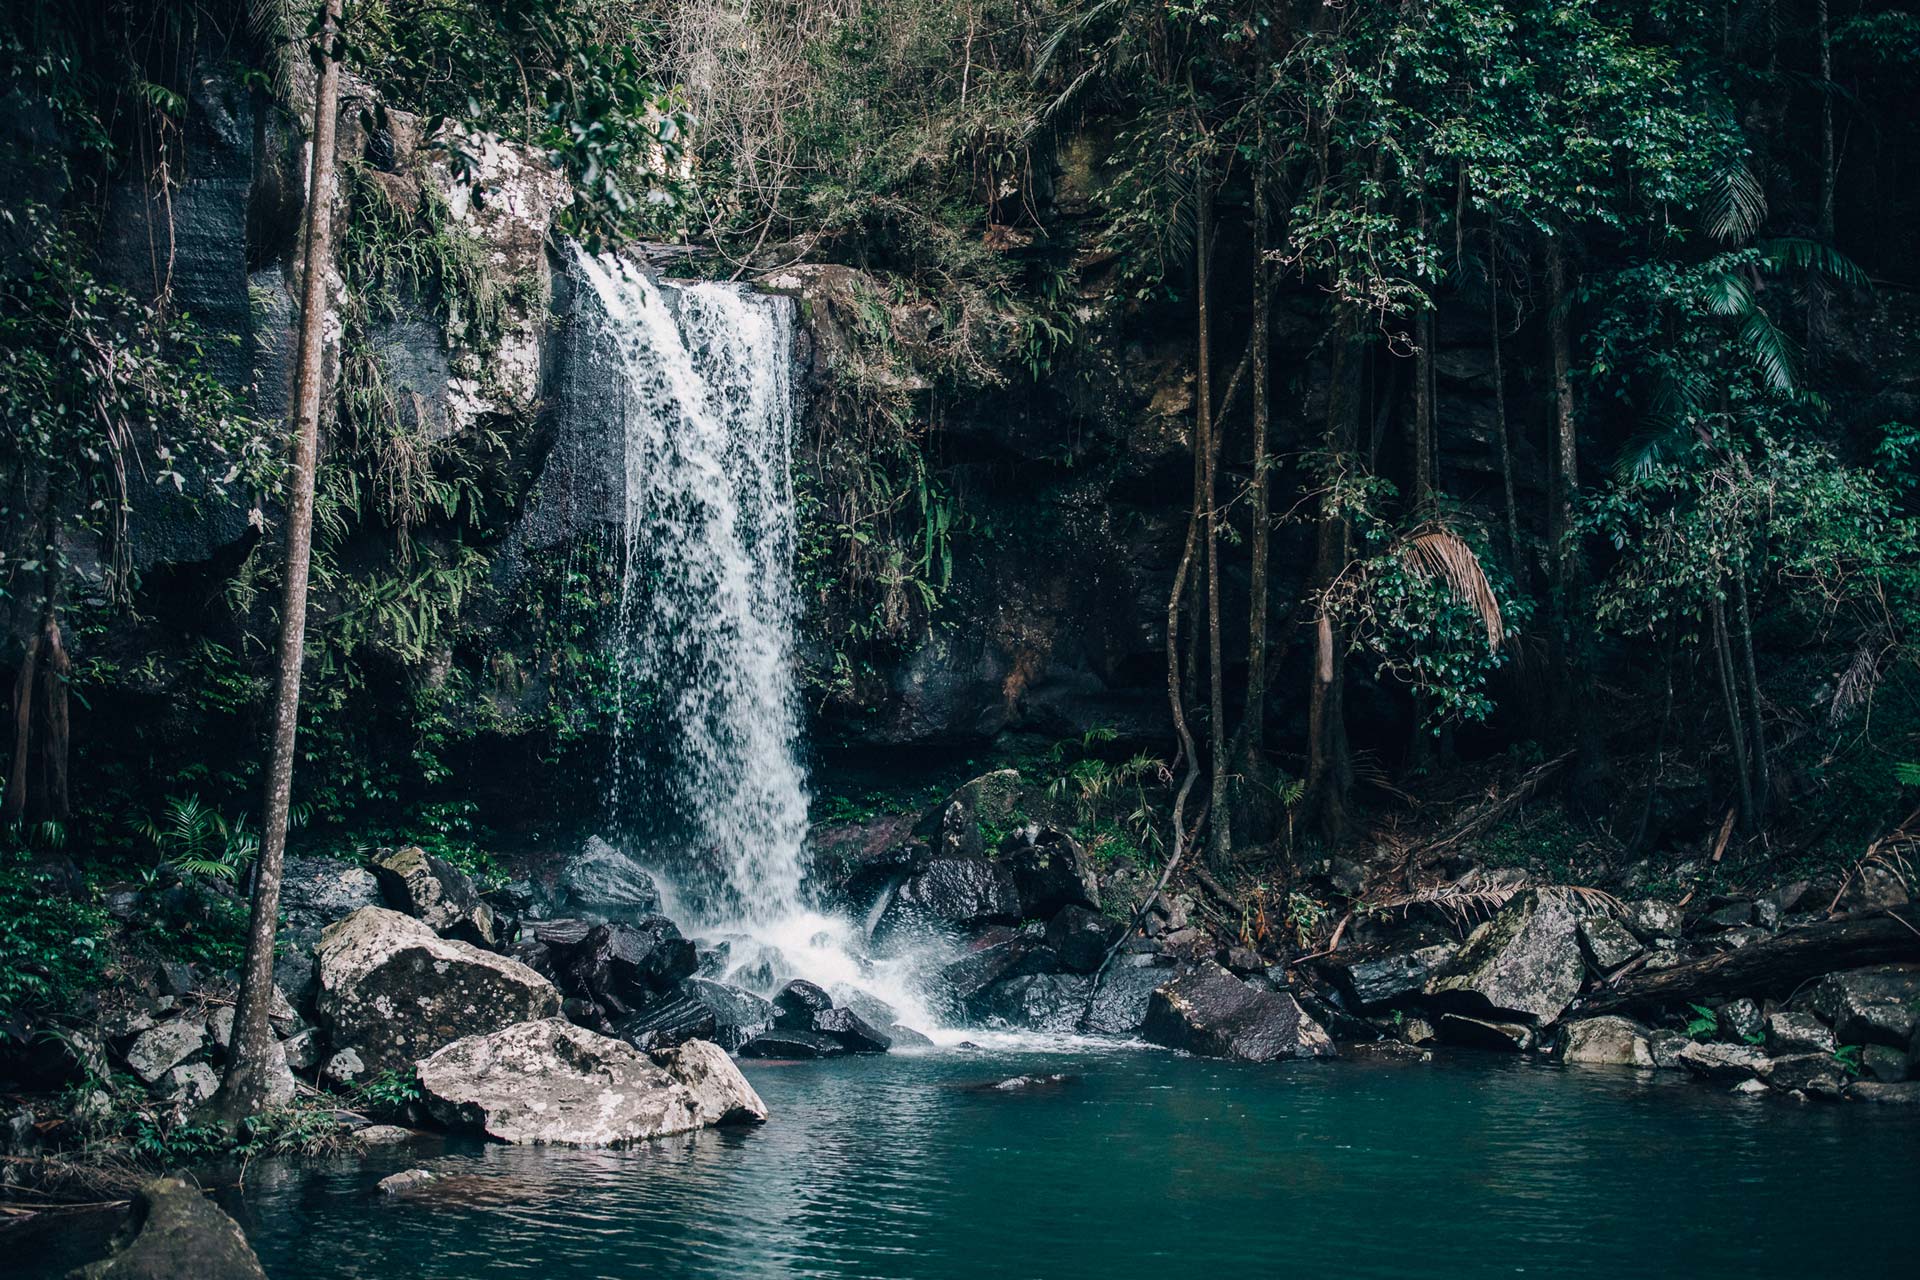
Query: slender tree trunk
(1826, 126)
(1730, 699)
(250, 1079)
(1329, 768)
(1762, 770)
(1566, 474)
(1220, 827)
(55, 671)
(24, 683)
(1423, 464)
(1253, 719)
(1500, 404)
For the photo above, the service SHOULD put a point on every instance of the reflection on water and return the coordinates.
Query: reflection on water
(1147, 1164)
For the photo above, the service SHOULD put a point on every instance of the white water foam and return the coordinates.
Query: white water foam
(708, 788)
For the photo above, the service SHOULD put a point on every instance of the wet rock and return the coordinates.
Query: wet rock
(1722, 1061)
(1877, 1005)
(399, 1184)
(1798, 1033)
(1667, 1047)
(673, 1020)
(394, 991)
(967, 977)
(797, 1003)
(864, 1003)
(175, 1232)
(780, 1043)
(1873, 888)
(154, 1053)
(1525, 961)
(1485, 1033)
(1608, 1041)
(1212, 1014)
(436, 893)
(721, 1095)
(548, 1081)
(738, 1015)
(1740, 1021)
(1891, 1095)
(562, 935)
(1050, 871)
(603, 880)
(853, 1032)
(1735, 915)
(1050, 1002)
(905, 1037)
(952, 893)
(625, 966)
(1653, 919)
(1027, 1084)
(1608, 943)
(1080, 936)
(385, 1135)
(1000, 799)
(1371, 984)
(1750, 1088)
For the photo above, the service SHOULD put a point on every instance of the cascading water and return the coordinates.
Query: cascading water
(708, 790)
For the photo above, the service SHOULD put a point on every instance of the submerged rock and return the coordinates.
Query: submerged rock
(1212, 1014)
(175, 1232)
(398, 1184)
(436, 893)
(1525, 961)
(393, 991)
(552, 1082)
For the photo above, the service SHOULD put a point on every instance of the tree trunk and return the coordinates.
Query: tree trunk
(1730, 699)
(1329, 768)
(249, 1078)
(1220, 828)
(55, 671)
(1423, 464)
(24, 683)
(1826, 127)
(1253, 719)
(1762, 771)
(1500, 404)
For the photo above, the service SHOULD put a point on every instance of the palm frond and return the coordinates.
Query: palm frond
(1770, 349)
(1728, 293)
(1738, 206)
(1441, 553)
(1802, 254)
(1857, 683)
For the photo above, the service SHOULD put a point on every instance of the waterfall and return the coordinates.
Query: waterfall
(707, 788)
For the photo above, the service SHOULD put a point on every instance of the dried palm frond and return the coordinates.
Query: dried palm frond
(1463, 903)
(1441, 553)
(1857, 682)
(1890, 853)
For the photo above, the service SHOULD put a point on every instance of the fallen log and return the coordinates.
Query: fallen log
(1773, 966)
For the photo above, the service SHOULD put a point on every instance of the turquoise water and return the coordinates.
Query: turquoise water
(1148, 1165)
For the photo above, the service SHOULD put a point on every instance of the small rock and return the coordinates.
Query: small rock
(1735, 915)
(1889, 1066)
(1749, 1088)
(1740, 1021)
(301, 1049)
(1766, 914)
(189, 1084)
(154, 1053)
(175, 978)
(397, 1184)
(1525, 961)
(1608, 943)
(1718, 1061)
(385, 1135)
(1653, 919)
(1374, 983)
(1900, 1095)
(1873, 888)
(343, 1069)
(1666, 1047)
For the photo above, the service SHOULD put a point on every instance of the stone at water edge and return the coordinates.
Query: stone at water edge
(189, 1084)
(1815, 1073)
(1375, 983)
(1877, 1062)
(436, 893)
(1722, 1061)
(720, 1093)
(1049, 1002)
(738, 1015)
(796, 1004)
(967, 977)
(1486, 1033)
(397, 1184)
(384, 1135)
(951, 893)
(1740, 1021)
(393, 991)
(1526, 961)
(1608, 1041)
(1895, 1095)
(1794, 1033)
(670, 1021)
(779, 1043)
(851, 1030)
(551, 1082)
(177, 1232)
(1212, 1014)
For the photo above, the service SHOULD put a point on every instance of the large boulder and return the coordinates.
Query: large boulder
(314, 892)
(1037, 1001)
(606, 882)
(964, 824)
(1125, 994)
(721, 1095)
(551, 1082)
(1606, 1041)
(394, 991)
(176, 1231)
(1212, 1014)
(802, 1006)
(948, 893)
(1877, 1005)
(1050, 871)
(436, 893)
(965, 978)
(624, 966)
(669, 1021)
(796, 1004)
(1525, 961)
(154, 1053)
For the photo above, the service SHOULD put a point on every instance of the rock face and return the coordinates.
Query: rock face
(721, 1095)
(1606, 1041)
(551, 1082)
(1375, 983)
(605, 881)
(1212, 1014)
(952, 893)
(1081, 936)
(738, 1015)
(437, 894)
(1050, 872)
(1525, 961)
(393, 991)
(177, 1231)
(1038, 1001)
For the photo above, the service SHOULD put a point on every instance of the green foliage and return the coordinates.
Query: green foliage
(51, 942)
(388, 1094)
(1702, 1022)
(195, 840)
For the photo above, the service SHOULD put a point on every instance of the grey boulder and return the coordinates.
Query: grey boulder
(437, 894)
(1525, 961)
(1212, 1014)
